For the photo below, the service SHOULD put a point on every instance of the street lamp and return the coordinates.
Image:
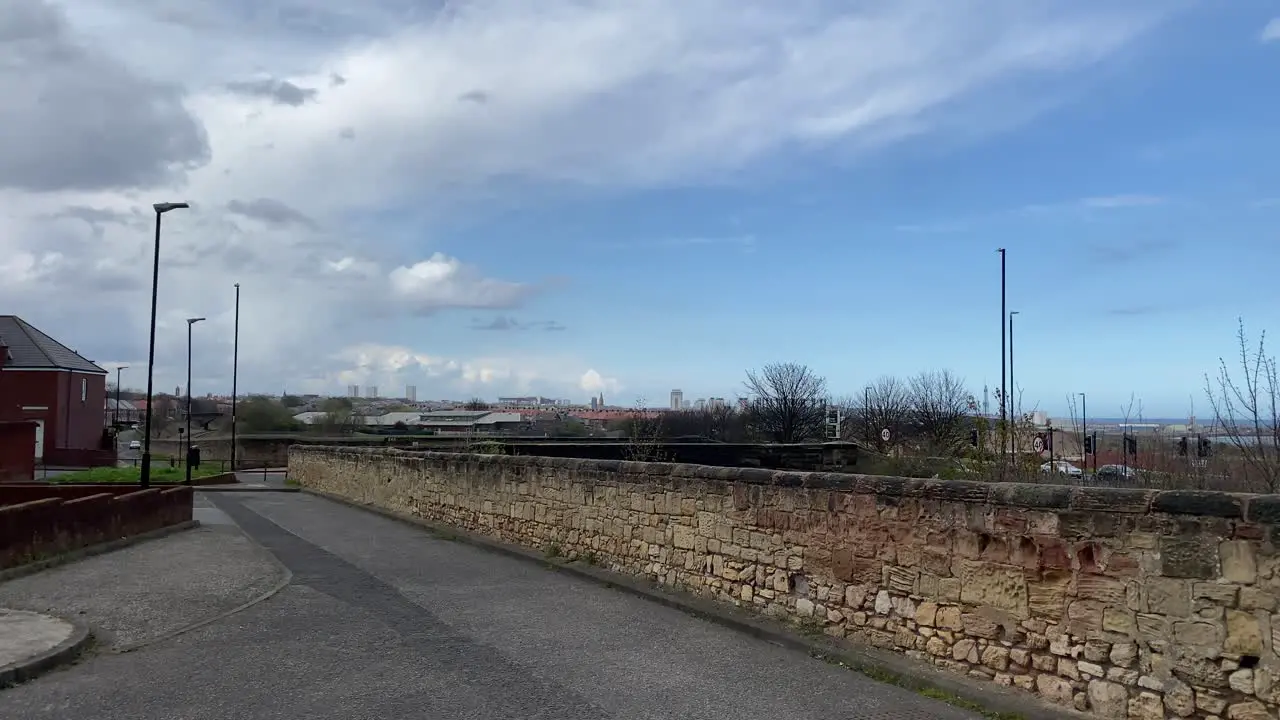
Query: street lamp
(116, 421)
(1084, 434)
(866, 411)
(235, 363)
(1013, 388)
(1004, 392)
(190, 322)
(144, 477)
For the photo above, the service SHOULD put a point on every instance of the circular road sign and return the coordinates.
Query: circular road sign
(884, 435)
(1038, 444)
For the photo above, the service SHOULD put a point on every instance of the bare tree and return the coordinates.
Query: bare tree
(788, 402)
(718, 422)
(886, 405)
(476, 403)
(940, 411)
(1248, 411)
(644, 433)
(1077, 427)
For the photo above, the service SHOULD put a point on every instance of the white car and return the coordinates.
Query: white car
(135, 444)
(1061, 467)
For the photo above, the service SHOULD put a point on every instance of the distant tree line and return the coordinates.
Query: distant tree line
(929, 413)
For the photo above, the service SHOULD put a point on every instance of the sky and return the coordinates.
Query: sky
(573, 197)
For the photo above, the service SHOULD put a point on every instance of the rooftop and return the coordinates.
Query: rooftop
(30, 349)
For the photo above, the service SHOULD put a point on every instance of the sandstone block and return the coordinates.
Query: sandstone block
(1241, 681)
(1252, 710)
(1123, 654)
(1055, 689)
(927, 614)
(1188, 556)
(1168, 596)
(1146, 706)
(995, 657)
(997, 586)
(884, 604)
(1211, 704)
(949, 618)
(1238, 562)
(1255, 599)
(1107, 699)
(804, 607)
(1179, 698)
(1244, 633)
(966, 650)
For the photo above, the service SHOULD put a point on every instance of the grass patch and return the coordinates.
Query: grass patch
(553, 551)
(132, 475)
(890, 678)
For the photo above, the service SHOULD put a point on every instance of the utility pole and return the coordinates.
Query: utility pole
(116, 420)
(1013, 388)
(1004, 392)
(235, 363)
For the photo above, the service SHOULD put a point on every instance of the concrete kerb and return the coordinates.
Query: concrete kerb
(91, 550)
(242, 488)
(873, 662)
(63, 653)
(286, 577)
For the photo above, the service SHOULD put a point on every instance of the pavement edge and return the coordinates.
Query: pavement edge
(91, 550)
(878, 664)
(63, 653)
(285, 579)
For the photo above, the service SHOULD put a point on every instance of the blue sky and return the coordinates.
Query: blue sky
(1141, 217)
(741, 183)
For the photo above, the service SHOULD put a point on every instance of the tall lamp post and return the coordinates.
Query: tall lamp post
(866, 411)
(235, 363)
(187, 457)
(1004, 392)
(1013, 388)
(144, 477)
(116, 421)
(1084, 432)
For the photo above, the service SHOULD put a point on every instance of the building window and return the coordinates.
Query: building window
(84, 390)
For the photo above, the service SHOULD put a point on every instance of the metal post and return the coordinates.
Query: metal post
(1004, 392)
(235, 362)
(866, 411)
(1013, 389)
(116, 420)
(144, 475)
(187, 457)
(1084, 431)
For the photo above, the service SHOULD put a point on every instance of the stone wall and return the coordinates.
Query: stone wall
(1119, 602)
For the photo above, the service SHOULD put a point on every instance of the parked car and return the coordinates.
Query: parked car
(1116, 472)
(1061, 467)
(135, 445)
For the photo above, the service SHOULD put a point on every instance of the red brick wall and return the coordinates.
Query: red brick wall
(17, 455)
(70, 424)
(55, 525)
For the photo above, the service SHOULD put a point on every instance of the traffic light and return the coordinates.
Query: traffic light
(1131, 445)
(1182, 446)
(1203, 447)
(1088, 444)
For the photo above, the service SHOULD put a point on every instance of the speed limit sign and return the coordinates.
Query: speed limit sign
(1037, 444)
(884, 435)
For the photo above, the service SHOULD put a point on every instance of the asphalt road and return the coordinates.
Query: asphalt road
(384, 621)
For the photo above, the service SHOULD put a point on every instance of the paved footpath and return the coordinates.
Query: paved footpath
(382, 620)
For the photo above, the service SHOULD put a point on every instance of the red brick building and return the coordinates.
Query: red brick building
(43, 381)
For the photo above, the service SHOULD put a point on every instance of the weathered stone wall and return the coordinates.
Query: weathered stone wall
(1124, 603)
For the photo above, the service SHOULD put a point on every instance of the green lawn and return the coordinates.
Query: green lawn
(131, 475)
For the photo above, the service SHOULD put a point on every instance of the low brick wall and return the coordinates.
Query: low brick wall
(1122, 603)
(67, 518)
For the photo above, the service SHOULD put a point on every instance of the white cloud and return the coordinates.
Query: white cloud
(442, 282)
(436, 112)
(594, 383)
(1272, 31)
(393, 366)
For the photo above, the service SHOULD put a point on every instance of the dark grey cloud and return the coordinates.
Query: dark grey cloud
(280, 92)
(98, 218)
(336, 80)
(506, 322)
(478, 97)
(74, 118)
(347, 133)
(271, 212)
